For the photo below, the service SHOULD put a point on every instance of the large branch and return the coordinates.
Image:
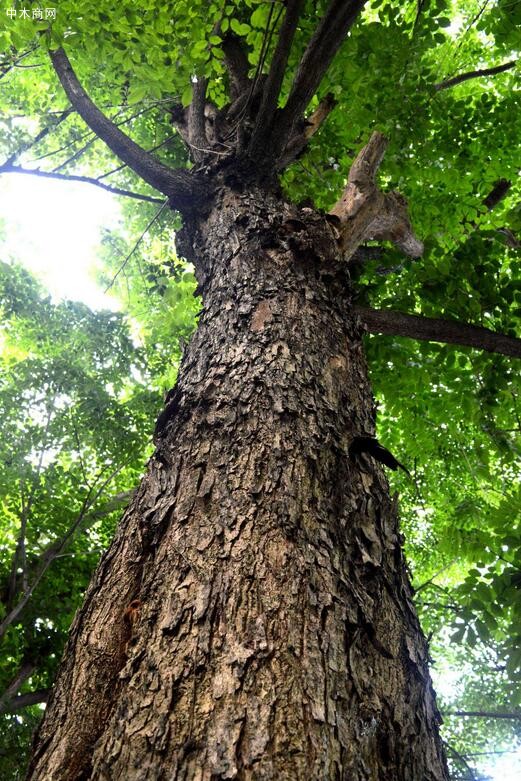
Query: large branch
(429, 329)
(178, 185)
(324, 44)
(237, 65)
(276, 73)
(196, 121)
(477, 74)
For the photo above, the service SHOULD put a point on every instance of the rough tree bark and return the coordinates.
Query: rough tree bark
(253, 617)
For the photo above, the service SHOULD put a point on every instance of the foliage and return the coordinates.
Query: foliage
(452, 414)
(75, 411)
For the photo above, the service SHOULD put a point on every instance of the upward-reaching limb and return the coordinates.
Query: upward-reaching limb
(178, 185)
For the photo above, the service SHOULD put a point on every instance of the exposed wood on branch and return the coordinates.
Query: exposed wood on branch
(365, 213)
(16, 169)
(313, 123)
(477, 74)
(178, 185)
(387, 321)
(275, 76)
(324, 44)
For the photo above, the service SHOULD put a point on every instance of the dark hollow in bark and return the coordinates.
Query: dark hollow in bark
(253, 617)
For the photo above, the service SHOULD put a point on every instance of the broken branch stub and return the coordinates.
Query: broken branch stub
(366, 213)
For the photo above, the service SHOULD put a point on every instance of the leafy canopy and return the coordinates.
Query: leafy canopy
(452, 414)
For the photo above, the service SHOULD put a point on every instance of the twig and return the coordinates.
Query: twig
(16, 169)
(55, 549)
(438, 572)
(136, 245)
(39, 137)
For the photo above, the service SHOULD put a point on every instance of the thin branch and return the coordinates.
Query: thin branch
(461, 758)
(387, 321)
(6, 67)
(78, 449)
(419, 9)
(124, 165)
(472, 22)
(178, 185)
(20, 554)
(313, 123)
(25, 700)
(136, 245)
(16, 169)
(55, 549)
(324, 44)
(76, 154)
(483, 714)
(240, 106)
(276, 73)
(26, 669)
(89, 132)
(477, 74)
(438, 572)
(496, 195)
(40, 136)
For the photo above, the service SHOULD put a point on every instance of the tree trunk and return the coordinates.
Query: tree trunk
(253, 617)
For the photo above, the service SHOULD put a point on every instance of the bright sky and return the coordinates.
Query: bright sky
(53, 228)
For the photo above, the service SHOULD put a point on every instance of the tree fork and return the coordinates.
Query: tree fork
(273, 633)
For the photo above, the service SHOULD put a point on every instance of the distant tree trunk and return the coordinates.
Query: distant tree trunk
(253, 617)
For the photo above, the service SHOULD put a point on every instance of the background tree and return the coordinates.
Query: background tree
(410, 50)
(73, 419)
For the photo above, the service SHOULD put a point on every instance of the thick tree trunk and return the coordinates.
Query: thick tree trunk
(271, 633)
